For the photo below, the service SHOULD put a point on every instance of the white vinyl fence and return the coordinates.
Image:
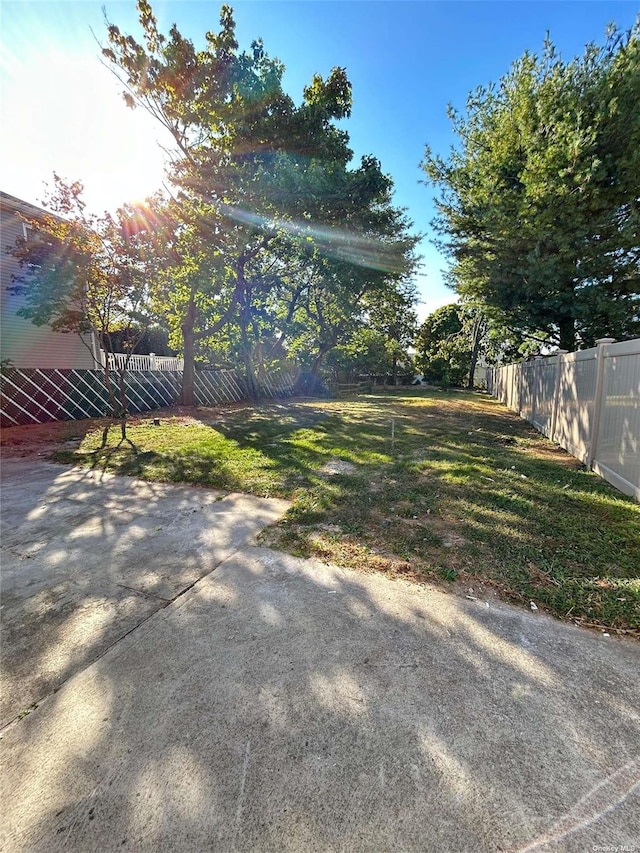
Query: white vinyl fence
(587, 402)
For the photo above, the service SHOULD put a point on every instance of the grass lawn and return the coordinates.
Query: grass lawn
(423, 485)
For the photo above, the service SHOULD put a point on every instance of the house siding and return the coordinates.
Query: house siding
(22, 343)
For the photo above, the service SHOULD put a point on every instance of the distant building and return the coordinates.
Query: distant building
(22, 343)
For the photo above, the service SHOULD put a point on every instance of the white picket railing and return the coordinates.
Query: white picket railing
(123, 361)
(587, 402)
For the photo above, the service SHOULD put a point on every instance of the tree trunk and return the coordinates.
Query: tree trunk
(315, 370)
(247, 347)
(567, 329)
(394, 369)
(262, 370)
(249, 369)
(475, 349)
(123, 405)
(188, 373)
(108, 381)
(188, 337)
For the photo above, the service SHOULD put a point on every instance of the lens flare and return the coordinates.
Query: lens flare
(340, 243)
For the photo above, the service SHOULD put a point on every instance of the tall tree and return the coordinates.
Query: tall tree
(255, 173)
(341, 298)
(248, 158)
(453, 338)
(443, 350)
(539, 207)
(390, 312)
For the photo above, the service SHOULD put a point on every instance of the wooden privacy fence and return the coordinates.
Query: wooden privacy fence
(36, 396)
(587, 402)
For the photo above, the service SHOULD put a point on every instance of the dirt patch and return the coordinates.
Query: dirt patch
(553, 453)
(42, 441)
(337, 466)
(451, 540)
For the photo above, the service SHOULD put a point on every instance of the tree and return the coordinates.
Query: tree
(248, 159)
(142, 340)
(539, 207)
(356, 274)
(366, 353)
(452, 340)
(257, 175)
(86, 273)
(384, 330)
(343, 298)
(479, 324)
(390, 313)
(443, 351)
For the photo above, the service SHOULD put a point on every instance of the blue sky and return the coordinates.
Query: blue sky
(406, 60)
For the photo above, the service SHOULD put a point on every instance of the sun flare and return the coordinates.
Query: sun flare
(113, 150)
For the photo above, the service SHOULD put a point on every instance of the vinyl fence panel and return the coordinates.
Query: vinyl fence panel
(588, 402)
(576, 400)
(544, 394)
(617, 455)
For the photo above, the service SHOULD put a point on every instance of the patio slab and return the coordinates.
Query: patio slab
(281, 704)
(86, 557)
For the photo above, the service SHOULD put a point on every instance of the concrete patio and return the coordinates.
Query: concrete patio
(282, 704)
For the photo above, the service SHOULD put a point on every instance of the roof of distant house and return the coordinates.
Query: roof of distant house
(26, 208)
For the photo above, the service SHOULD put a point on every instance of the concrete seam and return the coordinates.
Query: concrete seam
(150, 595)
(163, 603)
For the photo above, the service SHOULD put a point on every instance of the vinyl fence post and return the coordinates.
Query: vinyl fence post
(518, 370)
(556, 393)
(152, 361)
(601, 352)
(535, 385)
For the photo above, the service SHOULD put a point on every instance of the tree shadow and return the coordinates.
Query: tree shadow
(88, 556)
(458, 486)
(282, 705)
(458, 478)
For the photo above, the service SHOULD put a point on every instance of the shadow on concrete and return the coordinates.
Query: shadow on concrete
(88, 557)
(282, 704)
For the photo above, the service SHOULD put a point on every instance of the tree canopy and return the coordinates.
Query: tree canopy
(263, 186)
(455, 337)
(443, 350)
(539, 206)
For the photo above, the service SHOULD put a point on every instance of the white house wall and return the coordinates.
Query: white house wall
(23, 343)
